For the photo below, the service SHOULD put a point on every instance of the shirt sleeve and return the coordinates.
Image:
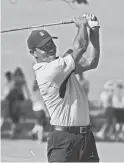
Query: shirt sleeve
(59, 69)
(56, 71)
(68, 64)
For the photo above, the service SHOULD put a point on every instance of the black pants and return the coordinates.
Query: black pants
(71, 147)
(119, 114)
(14, 100)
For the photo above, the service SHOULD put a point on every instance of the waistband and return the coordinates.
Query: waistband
(71, 129)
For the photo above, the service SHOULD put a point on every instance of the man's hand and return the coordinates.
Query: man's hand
(92, 20)
(80, 21)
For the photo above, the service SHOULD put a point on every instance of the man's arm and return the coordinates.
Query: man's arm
(95, 50)
(79, 47)
(81, 40)
(90, 62)
(26, 91)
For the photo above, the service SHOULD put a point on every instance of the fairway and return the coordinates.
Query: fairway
(30, 151)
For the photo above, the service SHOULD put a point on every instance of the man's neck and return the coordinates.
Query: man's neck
(49, 59)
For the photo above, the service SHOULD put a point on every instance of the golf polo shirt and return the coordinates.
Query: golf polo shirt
(72, 109)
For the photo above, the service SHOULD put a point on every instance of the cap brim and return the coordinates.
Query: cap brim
(54, 37)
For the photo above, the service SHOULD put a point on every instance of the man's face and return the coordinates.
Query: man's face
(49, 48)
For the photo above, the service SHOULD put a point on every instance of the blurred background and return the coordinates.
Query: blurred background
(23, 113)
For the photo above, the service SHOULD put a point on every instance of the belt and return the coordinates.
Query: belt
(71, 129)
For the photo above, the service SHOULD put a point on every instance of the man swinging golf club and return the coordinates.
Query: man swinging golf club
(70, 138)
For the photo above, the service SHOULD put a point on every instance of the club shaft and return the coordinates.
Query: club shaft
(37, 26)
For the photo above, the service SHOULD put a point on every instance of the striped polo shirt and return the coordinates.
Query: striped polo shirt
(70, 110)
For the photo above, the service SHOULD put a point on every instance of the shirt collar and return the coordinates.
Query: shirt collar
(38, 65)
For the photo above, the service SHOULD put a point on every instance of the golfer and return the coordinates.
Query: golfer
(70, 138)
